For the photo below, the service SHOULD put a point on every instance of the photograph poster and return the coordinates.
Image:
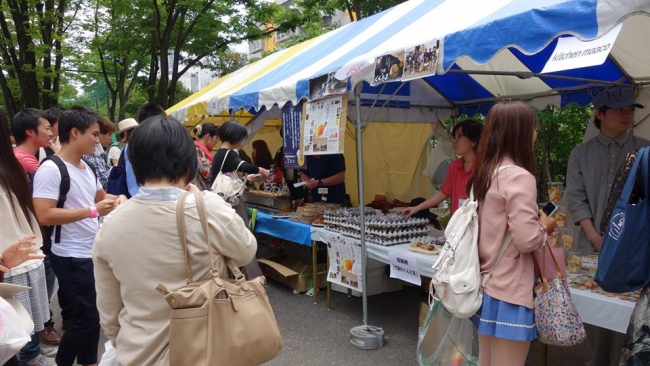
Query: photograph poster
(421, 60)
(291, 120)
(345, 262)
(323, 126)
(389, 67)
(326, 85)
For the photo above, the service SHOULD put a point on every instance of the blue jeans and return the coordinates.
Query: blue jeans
(31, 350)
(81, 338)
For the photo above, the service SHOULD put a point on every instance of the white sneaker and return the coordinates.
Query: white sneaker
(49, 351)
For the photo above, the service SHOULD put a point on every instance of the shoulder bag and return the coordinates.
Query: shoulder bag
(624, 260)
(219, 321)
(557, 320)
(230, 188)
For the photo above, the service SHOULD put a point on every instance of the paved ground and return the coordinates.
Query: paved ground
(314, 336)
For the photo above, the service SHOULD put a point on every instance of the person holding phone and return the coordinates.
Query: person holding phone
(508, 203)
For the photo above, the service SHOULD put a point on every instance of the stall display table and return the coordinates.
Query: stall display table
(606, 312)
(295, 232)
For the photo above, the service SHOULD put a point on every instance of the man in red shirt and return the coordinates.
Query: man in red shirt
(31, 129)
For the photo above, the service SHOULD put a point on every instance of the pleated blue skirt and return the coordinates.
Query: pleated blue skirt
(503, 320)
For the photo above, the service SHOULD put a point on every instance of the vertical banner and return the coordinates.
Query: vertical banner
(345, 263)
(323, 126)
(291, 120)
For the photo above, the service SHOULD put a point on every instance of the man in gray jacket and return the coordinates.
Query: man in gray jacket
(590, 174)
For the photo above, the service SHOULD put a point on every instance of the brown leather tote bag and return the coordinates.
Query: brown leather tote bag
(219, 321)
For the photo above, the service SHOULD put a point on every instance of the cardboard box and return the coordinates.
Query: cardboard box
(293, 272)
(378, 283)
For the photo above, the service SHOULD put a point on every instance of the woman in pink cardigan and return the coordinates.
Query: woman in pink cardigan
(508, 202)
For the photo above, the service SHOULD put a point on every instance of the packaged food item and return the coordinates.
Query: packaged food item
(554, 190)
(566, 234)
(560, 219)
(574, 262)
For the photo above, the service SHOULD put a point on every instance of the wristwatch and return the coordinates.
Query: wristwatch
(320, 183)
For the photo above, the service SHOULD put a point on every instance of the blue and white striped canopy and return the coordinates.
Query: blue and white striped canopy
(484, 43)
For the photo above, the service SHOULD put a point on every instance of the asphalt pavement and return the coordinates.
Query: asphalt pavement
(315, 336)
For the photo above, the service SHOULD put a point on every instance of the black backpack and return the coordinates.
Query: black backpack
(64, 188)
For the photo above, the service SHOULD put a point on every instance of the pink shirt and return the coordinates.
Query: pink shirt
(455, 184)
(510, 204)
(26, 159)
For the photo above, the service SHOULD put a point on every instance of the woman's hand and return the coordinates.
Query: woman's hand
(548, 222)
(14, 255)
(410, 211)
(265, 173)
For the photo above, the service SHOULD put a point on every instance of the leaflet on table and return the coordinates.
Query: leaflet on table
(323, 126)
(345, 262)
(291, 120)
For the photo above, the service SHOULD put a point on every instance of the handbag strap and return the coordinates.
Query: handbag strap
(224, 160)
(541, 269)
(504, 246)
(180, 222)
(631, 178)
(239, 277)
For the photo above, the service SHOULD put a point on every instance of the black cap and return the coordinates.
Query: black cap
(616, 98)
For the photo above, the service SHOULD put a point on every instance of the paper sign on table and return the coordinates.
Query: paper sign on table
(572, 53)
(404, 266)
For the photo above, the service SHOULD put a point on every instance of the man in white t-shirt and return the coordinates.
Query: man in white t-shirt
(71, 255)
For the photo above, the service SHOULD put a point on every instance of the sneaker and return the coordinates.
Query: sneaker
(50, 335)
(40, 361)
(49, 351)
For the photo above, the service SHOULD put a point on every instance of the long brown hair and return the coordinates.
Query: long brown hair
(12, 176)
(508, 132)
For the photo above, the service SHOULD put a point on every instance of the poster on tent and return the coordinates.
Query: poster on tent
(326, 85)
(421, 60)
(389, 67)
(323, 126)
(345, 262)
(291, 120)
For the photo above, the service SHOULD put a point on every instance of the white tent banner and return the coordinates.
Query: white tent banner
(572, 53)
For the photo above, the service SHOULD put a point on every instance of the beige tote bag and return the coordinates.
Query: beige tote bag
(219, 321)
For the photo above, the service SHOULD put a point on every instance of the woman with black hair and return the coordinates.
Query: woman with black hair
(21, 267)
(206, 140)
(465, 138)
(232, 135)
(139, 247)
(262, 155)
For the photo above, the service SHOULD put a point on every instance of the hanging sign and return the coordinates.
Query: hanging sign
(421, 60)
(326, 85)
(291, 119)
(389, 67)
(572, 53)
(323, 126)
(345, 262)
(404, 266)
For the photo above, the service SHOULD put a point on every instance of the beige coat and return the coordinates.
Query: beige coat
(137, 248)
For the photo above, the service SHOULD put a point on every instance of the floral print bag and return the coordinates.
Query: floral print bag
(557, 320)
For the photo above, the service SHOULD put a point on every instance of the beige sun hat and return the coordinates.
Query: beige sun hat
(127, 124)
(7, 292)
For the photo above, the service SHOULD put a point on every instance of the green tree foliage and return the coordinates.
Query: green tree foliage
(184, 32)
(32, 51)
(363, 8)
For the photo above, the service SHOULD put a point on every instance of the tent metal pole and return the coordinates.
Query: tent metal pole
(364, 336)
(362, 221)
(528, 75)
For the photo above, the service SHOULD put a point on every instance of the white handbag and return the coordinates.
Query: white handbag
(230, 188)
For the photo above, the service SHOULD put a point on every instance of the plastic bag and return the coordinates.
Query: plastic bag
(445, 340)
(12, 332)
(109, 356)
